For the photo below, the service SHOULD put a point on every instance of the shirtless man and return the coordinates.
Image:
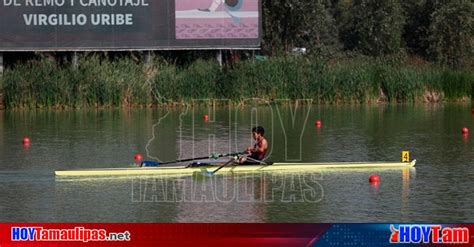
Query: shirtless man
(258, 150)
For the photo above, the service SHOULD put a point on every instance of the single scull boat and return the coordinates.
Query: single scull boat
(279, 167)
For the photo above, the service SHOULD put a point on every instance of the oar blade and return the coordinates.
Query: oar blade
(149, 163)
(202, 174)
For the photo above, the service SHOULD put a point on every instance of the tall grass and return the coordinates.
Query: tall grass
(99, 82)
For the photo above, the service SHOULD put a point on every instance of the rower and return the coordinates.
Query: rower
(258, 151)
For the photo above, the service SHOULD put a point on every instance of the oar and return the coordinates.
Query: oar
(259, 161)
(212, 156)
(233, 159)
(220, 167)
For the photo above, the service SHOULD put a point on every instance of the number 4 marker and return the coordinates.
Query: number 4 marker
(405, 156)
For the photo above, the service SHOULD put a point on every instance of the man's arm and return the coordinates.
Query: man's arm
(262, 147)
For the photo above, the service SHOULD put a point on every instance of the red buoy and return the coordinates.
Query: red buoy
(465, 138)
(374, 179)
(318, 123)
(137, 157)
(26, 141)
(465, 131)
(206, 117)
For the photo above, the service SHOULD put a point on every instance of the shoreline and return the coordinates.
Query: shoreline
(125, 83)
(233, 105)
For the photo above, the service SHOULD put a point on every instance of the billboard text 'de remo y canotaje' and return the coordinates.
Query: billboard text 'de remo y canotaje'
(30, 25)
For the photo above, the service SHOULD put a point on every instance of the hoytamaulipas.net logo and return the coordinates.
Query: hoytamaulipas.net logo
(435, 234)
(75, 234)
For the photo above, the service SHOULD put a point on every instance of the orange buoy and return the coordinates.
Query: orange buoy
(137, 157)
(465, 131)
(374, 179)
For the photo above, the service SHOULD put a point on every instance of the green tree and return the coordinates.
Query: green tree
(418, 18)
(376, 27)
(451, 32)
(320, 27)
(342, 12)
(289, 23)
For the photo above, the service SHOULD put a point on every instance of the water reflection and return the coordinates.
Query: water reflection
(441, 190)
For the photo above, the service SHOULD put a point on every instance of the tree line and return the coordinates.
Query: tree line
(435, 30)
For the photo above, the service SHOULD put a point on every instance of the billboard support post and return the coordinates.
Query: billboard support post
(75, 60)
(219, 57)
(2, 103)
(148, 58)
(1, 64)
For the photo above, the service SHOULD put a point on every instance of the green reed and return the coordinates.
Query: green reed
(124, 82)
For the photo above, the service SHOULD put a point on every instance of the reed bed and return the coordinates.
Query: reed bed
(124, 82)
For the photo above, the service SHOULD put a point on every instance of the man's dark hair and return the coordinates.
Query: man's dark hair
(259, 130)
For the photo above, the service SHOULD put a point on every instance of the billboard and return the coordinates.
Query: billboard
(31, 25)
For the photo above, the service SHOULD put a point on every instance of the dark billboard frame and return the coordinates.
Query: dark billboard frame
(166, 33)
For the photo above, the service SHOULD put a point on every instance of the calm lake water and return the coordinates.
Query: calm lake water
(439, 189)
